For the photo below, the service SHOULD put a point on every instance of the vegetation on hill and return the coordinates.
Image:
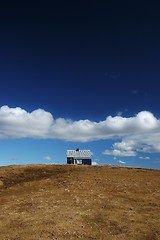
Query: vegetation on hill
(79, 202)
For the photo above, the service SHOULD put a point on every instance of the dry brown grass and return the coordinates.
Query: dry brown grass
(79, 202)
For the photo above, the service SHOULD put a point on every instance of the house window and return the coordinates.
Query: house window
(79, 161)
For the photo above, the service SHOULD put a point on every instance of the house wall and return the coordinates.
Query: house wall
(86, 161)
(70, 161)
(74, 161)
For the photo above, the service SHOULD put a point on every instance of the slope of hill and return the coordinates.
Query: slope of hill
(79, 202)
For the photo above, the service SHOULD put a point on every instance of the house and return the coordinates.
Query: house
(81, 157)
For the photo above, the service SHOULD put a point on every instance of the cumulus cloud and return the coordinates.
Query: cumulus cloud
(94, 163)
(146, 141)
(117, 152)
(140, 133)
(48, 158)
(17, 123)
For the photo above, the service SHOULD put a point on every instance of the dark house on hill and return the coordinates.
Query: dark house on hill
(81, 157)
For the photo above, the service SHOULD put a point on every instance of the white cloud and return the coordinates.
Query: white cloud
(48, 158)
(17, 123)
(120, 153)
(121, 162)
(94, 163)
(144, 157)
(147, 142)
(140, 133)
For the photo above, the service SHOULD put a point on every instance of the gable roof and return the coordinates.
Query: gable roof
(79, 154)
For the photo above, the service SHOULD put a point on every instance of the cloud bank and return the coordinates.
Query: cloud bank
(140, 133)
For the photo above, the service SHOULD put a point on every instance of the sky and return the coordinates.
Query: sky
(80, 74)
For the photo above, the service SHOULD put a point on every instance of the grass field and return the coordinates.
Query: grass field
(79, 202)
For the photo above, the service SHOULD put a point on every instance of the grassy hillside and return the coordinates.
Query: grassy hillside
(79, 202)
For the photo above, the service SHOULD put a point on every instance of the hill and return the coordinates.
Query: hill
(79, 202)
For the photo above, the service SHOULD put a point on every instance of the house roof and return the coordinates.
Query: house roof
(79, 154)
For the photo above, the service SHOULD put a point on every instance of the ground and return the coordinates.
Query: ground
(79, 202)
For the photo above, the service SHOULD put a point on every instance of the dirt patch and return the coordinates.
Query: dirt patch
(1, 184)
(79, 202)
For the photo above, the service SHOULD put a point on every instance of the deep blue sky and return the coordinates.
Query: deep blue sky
(79, 60)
